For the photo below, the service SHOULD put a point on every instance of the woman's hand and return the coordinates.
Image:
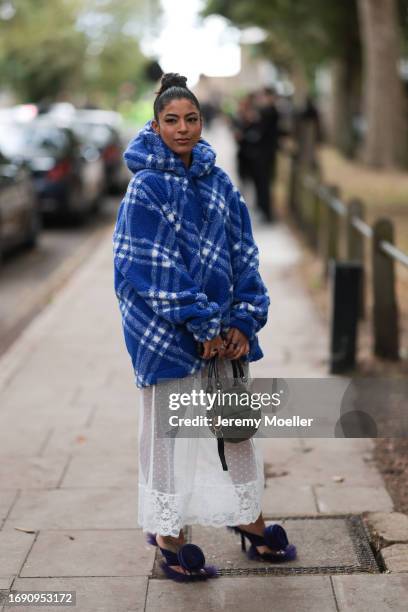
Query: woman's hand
(233, 346)
(213, 347)
(237, 344)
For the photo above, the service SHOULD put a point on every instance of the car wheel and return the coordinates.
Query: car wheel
(33, 230)
(76, 214)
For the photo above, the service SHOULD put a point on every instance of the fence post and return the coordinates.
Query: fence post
(308, 210)
(307, 138)
(300, 195)
(345, 281)
(355, 246)
(330, 250)
(316, 210)
(293, 183)
(385, 310)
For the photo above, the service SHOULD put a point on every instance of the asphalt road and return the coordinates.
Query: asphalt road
(30, 278)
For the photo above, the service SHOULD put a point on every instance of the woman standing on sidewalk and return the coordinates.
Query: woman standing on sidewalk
(186, 272)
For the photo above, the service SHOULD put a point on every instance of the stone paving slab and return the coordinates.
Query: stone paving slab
(287, 498)
(14, 547)
(41, 409)
(357, 499)
(41, 400)
(5, 583)
(387, 528)
(381, 593)
(68, 362)
(396, 557)
(32, 472)
(7, 499)
(92, 594)
(91, 470)
(98, 440)
(109, 406)
(120, 552)
(308, 468)
(339, 445)
(117, 417)
(278, 450)
(277, 593)
(104, 508)
(28, 437)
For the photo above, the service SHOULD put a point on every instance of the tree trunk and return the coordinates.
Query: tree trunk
(301, 85)
(345, 103)
(384, 104)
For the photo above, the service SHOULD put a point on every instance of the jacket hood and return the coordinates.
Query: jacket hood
(148, 151)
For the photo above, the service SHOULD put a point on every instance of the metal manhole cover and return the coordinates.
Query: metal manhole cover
(336, 544)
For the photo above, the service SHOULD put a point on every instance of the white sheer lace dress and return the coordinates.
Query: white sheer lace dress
(181, 480)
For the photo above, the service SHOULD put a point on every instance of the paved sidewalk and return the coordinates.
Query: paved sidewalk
(68, 463)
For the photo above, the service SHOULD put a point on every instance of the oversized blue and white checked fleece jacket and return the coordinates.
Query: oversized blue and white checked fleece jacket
(185, 262)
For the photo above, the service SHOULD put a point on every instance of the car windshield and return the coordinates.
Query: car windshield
(21, 139)
(98, 135)
(12, 139)
(47, 138)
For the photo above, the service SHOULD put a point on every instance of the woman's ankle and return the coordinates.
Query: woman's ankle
(257, 527)
(251, 528)
(172, 540)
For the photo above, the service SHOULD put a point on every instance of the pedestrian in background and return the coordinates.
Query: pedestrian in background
(246, 130)
(265, 168)
(308, 132)
(257, 132)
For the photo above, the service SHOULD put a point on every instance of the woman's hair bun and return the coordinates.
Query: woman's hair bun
(172, 79)
(173, 87)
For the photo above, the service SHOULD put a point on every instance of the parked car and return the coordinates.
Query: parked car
(20, 220)
(68, 174)
(107, 141)
(103, 130)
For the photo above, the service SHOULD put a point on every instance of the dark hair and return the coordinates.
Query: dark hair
(270, 91)
(173, 86)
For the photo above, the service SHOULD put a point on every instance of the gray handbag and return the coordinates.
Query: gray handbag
(233, 402)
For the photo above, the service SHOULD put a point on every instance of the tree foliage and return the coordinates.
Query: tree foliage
(72, 46)
(308, 32)
(40, 50)
(384, 97)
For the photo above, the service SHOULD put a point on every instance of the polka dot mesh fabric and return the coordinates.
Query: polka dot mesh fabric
(181, 480)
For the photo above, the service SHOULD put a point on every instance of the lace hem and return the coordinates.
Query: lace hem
(209, 506)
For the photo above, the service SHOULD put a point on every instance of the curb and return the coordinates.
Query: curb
(27, 332)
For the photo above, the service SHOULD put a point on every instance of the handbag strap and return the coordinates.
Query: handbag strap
(221, 453)
(237, 369)
(213, 374)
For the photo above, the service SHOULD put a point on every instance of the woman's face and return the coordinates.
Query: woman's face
(180, 127)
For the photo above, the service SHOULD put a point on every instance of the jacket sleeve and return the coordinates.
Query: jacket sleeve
(147, 255)
(249, 310)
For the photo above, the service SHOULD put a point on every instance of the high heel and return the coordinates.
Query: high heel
(274, 537)
(190, 557)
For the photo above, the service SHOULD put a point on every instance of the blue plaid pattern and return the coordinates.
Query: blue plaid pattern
(185, 261)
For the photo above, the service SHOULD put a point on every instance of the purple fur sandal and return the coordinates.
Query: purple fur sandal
(190, 557)
(274, 537)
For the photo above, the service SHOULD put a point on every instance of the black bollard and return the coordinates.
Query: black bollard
(345, 278)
